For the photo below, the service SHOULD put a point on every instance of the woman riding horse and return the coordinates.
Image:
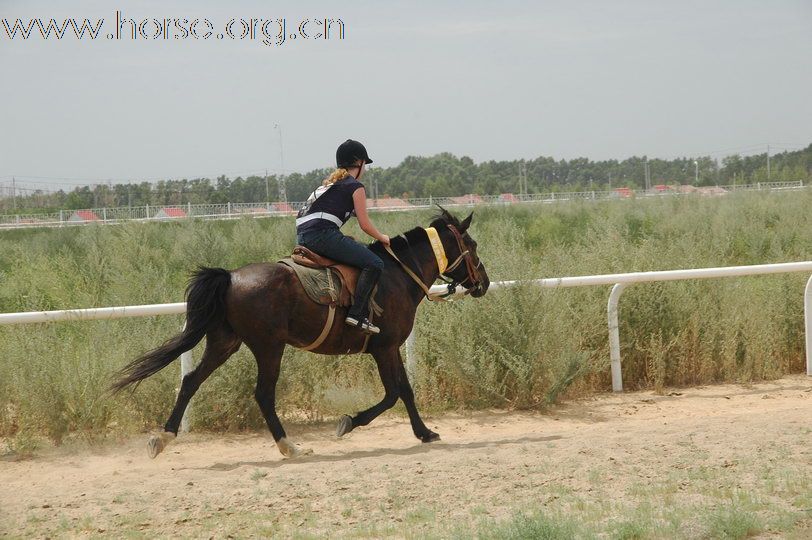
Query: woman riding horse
(329, 207)
(264, 306)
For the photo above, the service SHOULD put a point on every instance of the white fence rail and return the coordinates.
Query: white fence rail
(619, 282)
(269, 209)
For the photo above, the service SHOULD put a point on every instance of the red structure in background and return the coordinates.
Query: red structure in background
(84, 215)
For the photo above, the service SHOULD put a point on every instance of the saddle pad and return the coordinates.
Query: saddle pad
(322, 285)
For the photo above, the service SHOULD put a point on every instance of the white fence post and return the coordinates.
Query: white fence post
(614, 337)
(808, 324)
(186, 367)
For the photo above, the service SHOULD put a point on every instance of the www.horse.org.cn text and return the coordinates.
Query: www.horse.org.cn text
(268, 31)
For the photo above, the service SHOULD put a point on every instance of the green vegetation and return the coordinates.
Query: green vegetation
(520, 348)
(442, 175)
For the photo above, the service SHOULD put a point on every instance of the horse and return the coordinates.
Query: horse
(265, 307)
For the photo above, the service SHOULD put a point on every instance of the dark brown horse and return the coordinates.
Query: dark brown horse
(264, 306)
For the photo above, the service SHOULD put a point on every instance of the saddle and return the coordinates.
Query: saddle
(342, 295)
(328, 283)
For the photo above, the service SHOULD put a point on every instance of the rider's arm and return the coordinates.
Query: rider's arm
(359, 199)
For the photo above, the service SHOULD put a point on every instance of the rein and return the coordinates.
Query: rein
(464, 256)
(431, 296)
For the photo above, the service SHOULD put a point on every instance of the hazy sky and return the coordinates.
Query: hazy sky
(490, 80)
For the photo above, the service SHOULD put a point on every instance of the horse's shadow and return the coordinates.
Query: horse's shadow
(365, 454)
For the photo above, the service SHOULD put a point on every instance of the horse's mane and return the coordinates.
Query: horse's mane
(417, 235)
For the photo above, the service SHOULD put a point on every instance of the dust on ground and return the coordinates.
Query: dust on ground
(660, 464)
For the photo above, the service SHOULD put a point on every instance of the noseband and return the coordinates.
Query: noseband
(472, 269)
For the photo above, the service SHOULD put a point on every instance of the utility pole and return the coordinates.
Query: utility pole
(696, 173)
(768, 163)
(523, 178)
(374, 186)
(14, 193)
(267, 189)
(647, 174)
(283, 194)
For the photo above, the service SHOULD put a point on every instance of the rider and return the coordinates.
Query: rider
(331, 205)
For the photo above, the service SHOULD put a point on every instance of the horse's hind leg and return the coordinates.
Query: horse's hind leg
(221, 343)
(387, 368)
(269, 360)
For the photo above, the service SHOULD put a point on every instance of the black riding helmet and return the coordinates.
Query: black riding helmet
(349, 151)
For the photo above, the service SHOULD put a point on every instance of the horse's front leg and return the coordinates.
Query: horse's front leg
(387, 361)
(407, 395)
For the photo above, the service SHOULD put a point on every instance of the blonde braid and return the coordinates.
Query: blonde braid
(338, 174)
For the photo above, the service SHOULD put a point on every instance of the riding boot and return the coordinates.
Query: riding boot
(358, 312)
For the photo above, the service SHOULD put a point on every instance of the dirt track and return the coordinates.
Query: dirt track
(665, 463)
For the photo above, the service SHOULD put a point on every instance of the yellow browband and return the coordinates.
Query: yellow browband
(437, 247)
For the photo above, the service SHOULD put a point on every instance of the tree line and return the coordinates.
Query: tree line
(441, 175)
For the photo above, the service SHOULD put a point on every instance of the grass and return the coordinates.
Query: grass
(733, 522)
(535, 526)
(664, 506)
(519, 348)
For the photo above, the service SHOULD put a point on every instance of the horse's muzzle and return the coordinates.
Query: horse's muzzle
(480, 289)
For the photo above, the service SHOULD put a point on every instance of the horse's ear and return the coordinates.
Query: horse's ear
(466, 222)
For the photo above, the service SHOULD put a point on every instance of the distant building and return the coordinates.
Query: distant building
(170, 213)
(508, 198)
(283, 207)
(253, 210)
(466, 199)
(84, 215)
(712, 190)
(387, 202)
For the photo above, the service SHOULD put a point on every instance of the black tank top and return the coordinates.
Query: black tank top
(328, 206)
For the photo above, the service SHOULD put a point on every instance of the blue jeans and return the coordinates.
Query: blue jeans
(334, 245)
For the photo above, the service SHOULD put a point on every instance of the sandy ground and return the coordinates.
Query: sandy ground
(636, 456)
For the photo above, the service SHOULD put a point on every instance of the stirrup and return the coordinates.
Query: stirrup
(363, 324)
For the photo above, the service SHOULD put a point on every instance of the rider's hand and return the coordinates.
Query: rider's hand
(384, 240)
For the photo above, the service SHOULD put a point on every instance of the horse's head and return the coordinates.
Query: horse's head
(464, 267)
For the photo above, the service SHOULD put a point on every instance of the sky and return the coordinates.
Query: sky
(489, 80)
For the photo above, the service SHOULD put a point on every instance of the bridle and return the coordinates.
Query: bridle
(472, 270)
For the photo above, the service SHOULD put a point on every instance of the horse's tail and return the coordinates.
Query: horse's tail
(205, 308)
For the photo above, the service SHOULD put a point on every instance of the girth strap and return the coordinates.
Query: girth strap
(331, 313)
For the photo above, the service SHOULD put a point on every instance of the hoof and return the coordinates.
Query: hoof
(158, 442)
(290, 450)
(430, 437)
(344, 426)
